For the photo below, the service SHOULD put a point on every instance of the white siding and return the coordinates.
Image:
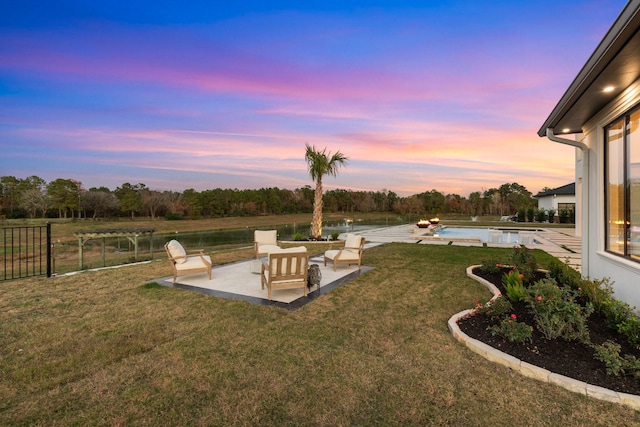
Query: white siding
(596, 263)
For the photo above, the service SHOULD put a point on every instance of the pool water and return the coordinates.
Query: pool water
(509, 235)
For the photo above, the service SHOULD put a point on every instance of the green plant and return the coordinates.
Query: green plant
(513, 286)
(552, 215)
(563, 216)
(522, 215)
(530, 215)
(298, 236)
(564, 274)
(494, 308)
(556, 313)
(334, 235)
(512, 330)
(541, 215)
(598, 292)
(525, 262)
(490, 266)
(609, 354)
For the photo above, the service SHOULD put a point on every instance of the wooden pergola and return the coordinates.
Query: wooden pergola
(132, 234)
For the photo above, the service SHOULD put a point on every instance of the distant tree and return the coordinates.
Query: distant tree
(100, 203)
(34, 200)
(153, 201)
(129, 197)
(64, 195)
(9, 194)
(321, 163)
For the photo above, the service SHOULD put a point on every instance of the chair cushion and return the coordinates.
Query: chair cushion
(344, 256)
(193, 262)
(266, 237)
(177, 251)
(266, 249)
(352, 244)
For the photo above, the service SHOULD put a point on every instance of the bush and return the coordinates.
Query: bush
(621, 317)
(334, 235)
(530, 216)
(495, 308)
(512, 330)
(563, 215)
(172, 216)
(556, 313)
(564, 274)
(298, 236)
(609, 353)
(490, 266)
(552, 215)
(541, 215)
(525, 262)
(522, 215)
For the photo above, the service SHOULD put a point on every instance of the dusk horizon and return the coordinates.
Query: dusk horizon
(418, 95)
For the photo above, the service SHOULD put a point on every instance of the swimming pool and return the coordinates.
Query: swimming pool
(509, 235)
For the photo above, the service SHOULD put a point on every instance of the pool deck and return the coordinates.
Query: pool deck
(559, 242)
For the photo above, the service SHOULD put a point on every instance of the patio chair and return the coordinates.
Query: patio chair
(350, 254)
(183, 263)
(265, 241)
(285, 269)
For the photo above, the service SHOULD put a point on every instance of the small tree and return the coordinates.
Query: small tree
(321, 163)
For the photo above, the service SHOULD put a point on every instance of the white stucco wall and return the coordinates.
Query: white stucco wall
(596, 263)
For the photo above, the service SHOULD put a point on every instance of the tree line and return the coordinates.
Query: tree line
(33, 197)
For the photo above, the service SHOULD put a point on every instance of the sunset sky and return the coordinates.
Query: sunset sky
(420, 95)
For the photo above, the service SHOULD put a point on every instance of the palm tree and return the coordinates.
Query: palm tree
(321, 163)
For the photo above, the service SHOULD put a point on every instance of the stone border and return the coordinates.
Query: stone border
(529, 370)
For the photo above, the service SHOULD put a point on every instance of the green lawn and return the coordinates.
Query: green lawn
(105, 348)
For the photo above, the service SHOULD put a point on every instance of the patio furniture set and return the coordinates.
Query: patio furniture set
(280, 268)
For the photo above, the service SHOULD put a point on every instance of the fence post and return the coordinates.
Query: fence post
(49, 260)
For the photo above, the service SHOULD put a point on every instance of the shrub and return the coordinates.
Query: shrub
(541, 215)
(621, 317)
(172, 216)
(522, 215)
(495, 308)
(552, 215)
(513, 286)
(298, 236)
(525, 262)
(334, 235)
(609, 353)
(530, 215)
(564, 274)
(563, 216)
(556, 313)
(512, 330)
(490, 266)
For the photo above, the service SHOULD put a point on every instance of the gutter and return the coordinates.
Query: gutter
(578, 144)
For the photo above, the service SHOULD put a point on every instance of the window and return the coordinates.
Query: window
(622, 186)
(566, 206)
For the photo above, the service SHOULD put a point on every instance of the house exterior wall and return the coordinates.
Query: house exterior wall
(596, 262)
(551, 202)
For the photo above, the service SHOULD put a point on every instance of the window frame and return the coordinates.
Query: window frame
(624, 119)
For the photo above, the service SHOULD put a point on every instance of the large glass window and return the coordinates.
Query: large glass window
(622, 165)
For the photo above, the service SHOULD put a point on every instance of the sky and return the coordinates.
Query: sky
(418, 95)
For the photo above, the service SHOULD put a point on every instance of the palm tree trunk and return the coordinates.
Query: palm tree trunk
(316, 222)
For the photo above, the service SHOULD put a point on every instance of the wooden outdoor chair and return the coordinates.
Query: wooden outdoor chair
(350, 254)
(183, 263)
(265, 241)
(285, 269)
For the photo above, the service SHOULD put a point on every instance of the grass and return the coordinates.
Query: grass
(108, 348)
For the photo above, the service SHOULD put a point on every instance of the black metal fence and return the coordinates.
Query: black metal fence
(26, 252)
